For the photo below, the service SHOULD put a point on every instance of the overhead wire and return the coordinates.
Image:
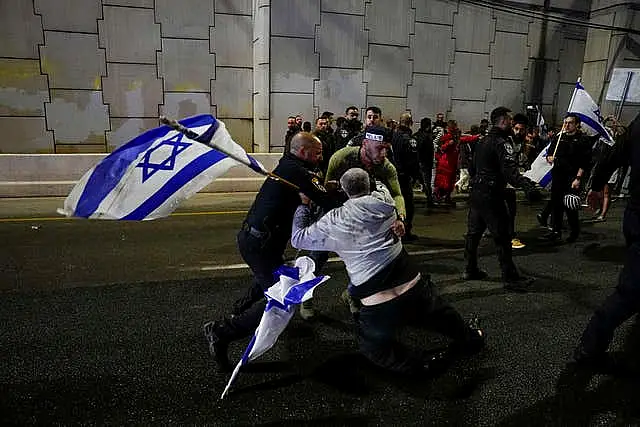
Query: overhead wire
(547, 16)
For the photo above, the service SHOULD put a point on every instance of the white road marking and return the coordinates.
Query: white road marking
(333, 259)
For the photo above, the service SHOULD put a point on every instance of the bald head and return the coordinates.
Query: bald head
(406, 120)
(307, 147)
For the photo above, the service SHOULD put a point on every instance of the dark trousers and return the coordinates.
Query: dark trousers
(625, 300)
(379, 326)
(560, 186)
(426, 170)
(263, 256)
(511, 201)
(407, 194)
(489, 211)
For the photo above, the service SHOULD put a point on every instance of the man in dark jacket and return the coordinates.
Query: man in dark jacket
(264, 236)
(492, 168)
(424, 142)
(405, 159)
(292, 129)
(570, 155)
(625, 300)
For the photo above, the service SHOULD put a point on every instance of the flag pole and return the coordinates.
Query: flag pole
(175, 125)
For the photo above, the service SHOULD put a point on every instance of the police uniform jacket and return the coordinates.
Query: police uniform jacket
(405, 152)
(493, 166)
(272, 211)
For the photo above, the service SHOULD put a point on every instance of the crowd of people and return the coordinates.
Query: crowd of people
(355, 197)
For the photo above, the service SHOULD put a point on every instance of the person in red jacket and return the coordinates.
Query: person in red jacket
(447, 161)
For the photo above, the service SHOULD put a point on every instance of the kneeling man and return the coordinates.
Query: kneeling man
(383, 277)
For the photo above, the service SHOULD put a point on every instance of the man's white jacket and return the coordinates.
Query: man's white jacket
(359, 232)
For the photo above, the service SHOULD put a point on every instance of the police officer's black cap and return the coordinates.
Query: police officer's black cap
(377, 133)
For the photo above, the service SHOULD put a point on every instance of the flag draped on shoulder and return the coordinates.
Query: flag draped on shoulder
(148, 177)
(592, 121)
(295, 285)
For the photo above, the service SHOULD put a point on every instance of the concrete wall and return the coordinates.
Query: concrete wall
(84, 76)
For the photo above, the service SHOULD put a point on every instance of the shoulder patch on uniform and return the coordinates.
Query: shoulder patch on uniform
(316, 183)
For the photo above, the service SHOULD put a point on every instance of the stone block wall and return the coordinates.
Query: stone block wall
(82, 76)
(87, 75)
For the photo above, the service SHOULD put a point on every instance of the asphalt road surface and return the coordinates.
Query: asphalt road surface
(102, 324)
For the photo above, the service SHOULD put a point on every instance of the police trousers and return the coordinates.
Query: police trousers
(489, 210)
(379, 327)
(263, 254)
(624, 302)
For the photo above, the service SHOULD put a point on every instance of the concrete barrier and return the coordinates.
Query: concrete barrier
(44, 175)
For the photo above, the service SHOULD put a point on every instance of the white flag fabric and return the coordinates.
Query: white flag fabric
(540, 171)
(592, 121)
(148, 177)
(295, 285)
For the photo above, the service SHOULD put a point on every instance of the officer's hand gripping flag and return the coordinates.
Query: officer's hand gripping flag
(295, 285)
(148, 177)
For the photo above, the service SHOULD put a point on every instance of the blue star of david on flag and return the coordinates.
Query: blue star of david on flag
(149, 168)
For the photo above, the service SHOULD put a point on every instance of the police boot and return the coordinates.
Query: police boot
(218, 346)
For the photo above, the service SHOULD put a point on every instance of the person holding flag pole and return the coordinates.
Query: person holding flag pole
(264, 236)
(570, 158)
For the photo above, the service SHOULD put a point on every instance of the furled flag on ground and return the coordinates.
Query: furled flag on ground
(296, 284)
(148, 177)
(592, 123)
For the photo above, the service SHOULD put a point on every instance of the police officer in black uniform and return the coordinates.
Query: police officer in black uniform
(405, 159)
(493, 167)
(571, 160)
(625, 300)
(264, 236)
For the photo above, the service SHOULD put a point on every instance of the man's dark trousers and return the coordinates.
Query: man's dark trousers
(561, 186)
(489, 210)
(420, 306)
(263, 256)
(625, 300)
(407, 194)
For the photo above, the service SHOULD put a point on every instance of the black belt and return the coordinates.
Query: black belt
(253, 231)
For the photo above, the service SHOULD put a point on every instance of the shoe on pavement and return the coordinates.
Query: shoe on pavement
(599, 218)
(551, 237)
(474, 275)
(518, 284)
(517, 244)
(306, 310)
(217, 347)
(473, 343)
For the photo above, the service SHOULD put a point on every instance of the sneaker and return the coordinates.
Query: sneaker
(217, 347)
(551, 237)
(349, 301)
(599, 218)
(306, 310)
(474, 275)
(517, 244)
(518, 284)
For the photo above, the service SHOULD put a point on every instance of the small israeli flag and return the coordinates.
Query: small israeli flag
(148, 177)
(295, 285)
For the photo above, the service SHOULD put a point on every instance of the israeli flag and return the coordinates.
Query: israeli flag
(592, 121)
(148, 177)
(540, 171)
(295, 285)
